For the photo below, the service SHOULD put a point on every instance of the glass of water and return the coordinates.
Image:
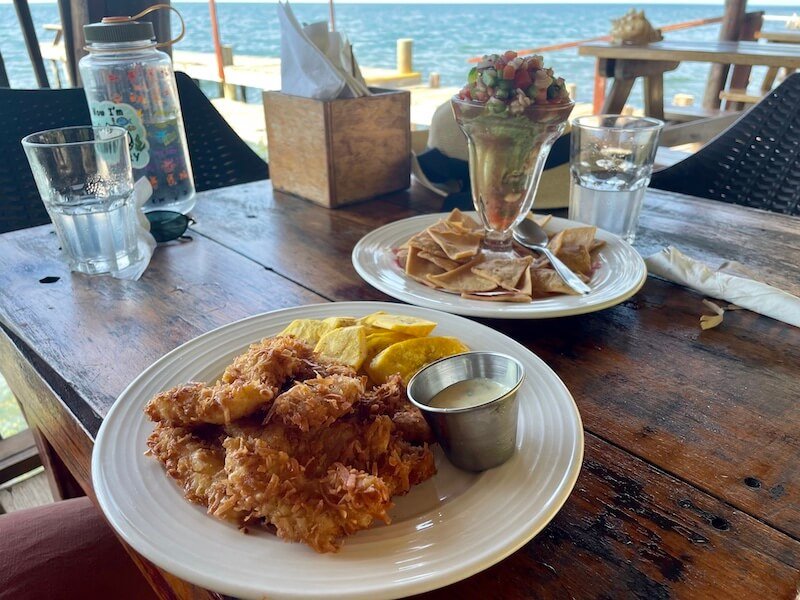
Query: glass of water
(611, 160)
(85, 180)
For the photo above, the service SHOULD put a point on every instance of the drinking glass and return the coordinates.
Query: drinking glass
(611, 160)
(506, 157)
(85, 180)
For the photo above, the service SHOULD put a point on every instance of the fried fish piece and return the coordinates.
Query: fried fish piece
(270, 484)
(250, 383)
(315, 403)
(198, 465)
(323, 464)
(390, 399)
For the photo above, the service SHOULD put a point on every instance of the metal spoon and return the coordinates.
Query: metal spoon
(529, 234)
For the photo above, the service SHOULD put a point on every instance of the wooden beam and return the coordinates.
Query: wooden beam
(31, 42)
(740, 77)
(18, 455)
(729, 31)
(71, 61)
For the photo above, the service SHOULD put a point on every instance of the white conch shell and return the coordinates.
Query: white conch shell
(633, 28)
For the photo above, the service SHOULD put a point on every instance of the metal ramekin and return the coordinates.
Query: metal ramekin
(475, 438)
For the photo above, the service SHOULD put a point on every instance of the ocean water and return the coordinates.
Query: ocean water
(445, 36)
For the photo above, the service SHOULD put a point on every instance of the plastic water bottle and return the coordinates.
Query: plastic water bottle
(131, 84)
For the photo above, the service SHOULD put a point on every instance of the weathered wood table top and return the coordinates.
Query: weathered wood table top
(690, 485)
(734, 53)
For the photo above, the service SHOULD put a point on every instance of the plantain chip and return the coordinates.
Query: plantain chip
(412, 326)
(307, 330)
(408, 357)
(346, 345)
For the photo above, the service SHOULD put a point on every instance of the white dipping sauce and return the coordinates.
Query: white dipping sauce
(468, 393)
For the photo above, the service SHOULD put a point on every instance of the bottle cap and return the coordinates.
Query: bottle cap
(118, 29)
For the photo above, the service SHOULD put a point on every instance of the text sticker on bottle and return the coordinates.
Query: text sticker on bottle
(125, 116)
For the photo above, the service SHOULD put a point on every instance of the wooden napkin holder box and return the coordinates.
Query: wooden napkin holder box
(336, 152)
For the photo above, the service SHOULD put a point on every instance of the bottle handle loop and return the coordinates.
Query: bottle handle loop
(147, 11)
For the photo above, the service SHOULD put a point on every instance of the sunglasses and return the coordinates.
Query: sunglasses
(166, 225)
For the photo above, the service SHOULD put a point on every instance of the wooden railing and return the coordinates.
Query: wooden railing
(607, 38)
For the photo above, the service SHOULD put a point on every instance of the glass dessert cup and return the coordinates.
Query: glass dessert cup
(507, 153)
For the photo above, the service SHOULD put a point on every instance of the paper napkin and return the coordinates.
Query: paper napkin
(142, 190)
(673, 265)
(315, 62)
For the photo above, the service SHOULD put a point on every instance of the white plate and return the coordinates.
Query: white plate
(444, 530)
(622, 272)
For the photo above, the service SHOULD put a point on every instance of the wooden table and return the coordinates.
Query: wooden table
(690, 485)
(626, 63)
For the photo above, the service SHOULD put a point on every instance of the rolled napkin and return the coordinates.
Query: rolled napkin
(758, 297)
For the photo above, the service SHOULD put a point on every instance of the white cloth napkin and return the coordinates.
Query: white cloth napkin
(142, 190)
(315, 62)
(759, 297)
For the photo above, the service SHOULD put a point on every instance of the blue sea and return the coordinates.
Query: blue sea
(445, 36)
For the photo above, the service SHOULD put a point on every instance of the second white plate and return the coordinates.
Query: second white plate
(621, 274)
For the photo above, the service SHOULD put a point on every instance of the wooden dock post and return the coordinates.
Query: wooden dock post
(405, 49)
(227, 90)
(729, 32)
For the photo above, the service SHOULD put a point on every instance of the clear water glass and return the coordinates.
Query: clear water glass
(611, 160)
(85, 180)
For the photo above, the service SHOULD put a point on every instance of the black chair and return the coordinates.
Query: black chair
(23, 112)
(754, 162)
(219, 156)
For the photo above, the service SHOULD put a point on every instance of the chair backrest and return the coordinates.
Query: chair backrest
(754, 162)
(219, 156)
(23, 112)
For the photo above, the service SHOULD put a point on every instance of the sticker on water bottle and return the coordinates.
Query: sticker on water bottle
(125, 116)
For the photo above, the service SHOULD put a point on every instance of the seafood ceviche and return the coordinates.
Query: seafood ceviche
(508, 83)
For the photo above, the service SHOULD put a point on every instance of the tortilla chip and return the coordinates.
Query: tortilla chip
(401, 254)
(505, 272)
(423, 241)
(456, 216)
(525, 285)
(576, 236)
(596, 244)
(456, 244)
(498, 297)
(440, 261)
(577, 258)
(419, 269)
(463, 279)
(540, 220)
(546, 281)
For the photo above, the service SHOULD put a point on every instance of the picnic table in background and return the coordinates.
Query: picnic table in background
(625, 64)
(689, 485)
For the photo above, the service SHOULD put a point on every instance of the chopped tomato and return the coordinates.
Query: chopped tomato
(522, 79)
(508, 72)
(509, 55)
